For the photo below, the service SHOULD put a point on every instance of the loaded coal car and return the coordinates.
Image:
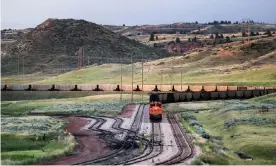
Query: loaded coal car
(155, 109)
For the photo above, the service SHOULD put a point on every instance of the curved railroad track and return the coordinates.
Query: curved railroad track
(185, 150)
(132, 132)
(155, 146)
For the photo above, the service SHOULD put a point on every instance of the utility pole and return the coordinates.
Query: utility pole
(181, 76)
(249, 33)
(23, 65)
(121, 86)
(83, 57)
(80, 54)
(161, 79)
(18, 63)
(131, 79)
(171, 73)
(142, 77)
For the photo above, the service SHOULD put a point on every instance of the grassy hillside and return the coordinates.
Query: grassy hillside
(227, 64)
(234, 64)
(232, 126)
(31, 139)
(101, 75)
(51, 48)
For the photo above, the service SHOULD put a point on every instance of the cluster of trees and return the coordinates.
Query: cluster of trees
(268, 33)
(229, 22)
(155, 38)
(152, 37)
(221, 38)
(177, 40)
(217, 36)
(219, 22)
(251, 34)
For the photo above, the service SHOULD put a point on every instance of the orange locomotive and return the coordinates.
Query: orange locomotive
(155, 109)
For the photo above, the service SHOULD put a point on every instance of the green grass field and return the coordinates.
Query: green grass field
(23, 107)
(33, 139)
(25, 149)
(253, 136)
(98, 75)
(221, 65)
(22, 135)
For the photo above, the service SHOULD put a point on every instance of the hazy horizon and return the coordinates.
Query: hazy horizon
(18, 14)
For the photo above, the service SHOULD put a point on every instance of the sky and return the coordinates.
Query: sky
(17, 14)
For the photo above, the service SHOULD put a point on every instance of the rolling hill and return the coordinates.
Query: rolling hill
(51, 47)
(228, 64)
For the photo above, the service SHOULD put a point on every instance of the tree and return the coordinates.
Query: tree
(221, 36)
(124, 25)
(233, 36)
(194, 39)
(189, 40)
(196, 22)
(212, 36)
(243, 34)
(268, 33)
(156, 38)
(274, 32)
(228, 39)
(229, 22)
(252, 34)
(177, 40)
(257, 33)
(151, 37)
(217, 36)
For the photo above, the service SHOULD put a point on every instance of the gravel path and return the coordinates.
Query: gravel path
(169, 144)
(146, 124)
(89, 146)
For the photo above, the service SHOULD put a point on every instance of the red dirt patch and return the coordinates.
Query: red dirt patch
(128, 111)
(89, 145)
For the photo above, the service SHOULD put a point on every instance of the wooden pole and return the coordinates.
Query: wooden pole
(121, 86)
(249, 32)
(83, 57)
(181, 77)
(23, 66)
(131, 79)
(78, 60)
(171, 73)
(161, 79)
(18, 64)
(142, 77)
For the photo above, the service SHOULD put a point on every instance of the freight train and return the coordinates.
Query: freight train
(155, 109)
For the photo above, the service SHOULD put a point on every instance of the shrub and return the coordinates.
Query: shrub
(195, 123)
(197, 161)
(151, 37)
(202, 132)
(187, 116)
(214, 159)
(177, 40)
(249, 120)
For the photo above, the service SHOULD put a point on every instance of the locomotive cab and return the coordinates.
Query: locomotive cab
(155, 109)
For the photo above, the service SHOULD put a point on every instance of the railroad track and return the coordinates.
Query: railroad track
(155, 146)
(128, 140)
(185, 149)
(136, 127)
